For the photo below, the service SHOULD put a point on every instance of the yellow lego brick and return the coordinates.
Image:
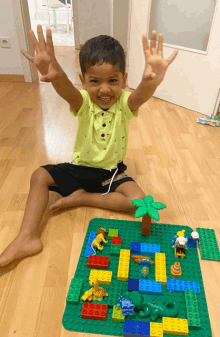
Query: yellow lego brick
(156, 329)
(104, 276)
(160, 268)
(117, 315)
(175, 326)
(125, 252)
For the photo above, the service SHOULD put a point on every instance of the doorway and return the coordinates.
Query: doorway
(56, 15)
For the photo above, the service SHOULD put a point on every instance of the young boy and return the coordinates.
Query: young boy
(95, 177)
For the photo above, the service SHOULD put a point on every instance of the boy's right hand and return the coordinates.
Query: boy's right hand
(45, 60)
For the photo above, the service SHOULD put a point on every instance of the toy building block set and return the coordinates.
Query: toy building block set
(132, 284)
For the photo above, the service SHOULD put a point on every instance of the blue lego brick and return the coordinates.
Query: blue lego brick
(135, 247)
(136, 328)
(89, 250)
(133, 284)
(150, 287)
(150, 248)
(181, 285)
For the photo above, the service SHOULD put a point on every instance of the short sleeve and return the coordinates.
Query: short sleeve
(124, 105)
(84, 106)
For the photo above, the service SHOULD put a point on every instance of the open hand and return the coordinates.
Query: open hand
(156, 66)
(45, 60)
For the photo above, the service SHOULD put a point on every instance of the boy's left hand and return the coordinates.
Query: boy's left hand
(156, 65)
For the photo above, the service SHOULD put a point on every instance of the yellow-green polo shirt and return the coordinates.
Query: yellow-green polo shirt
(102, 136)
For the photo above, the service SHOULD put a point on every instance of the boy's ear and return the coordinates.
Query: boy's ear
(125, 81)
(82, 81)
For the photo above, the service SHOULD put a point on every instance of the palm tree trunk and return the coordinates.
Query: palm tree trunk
(146, 225)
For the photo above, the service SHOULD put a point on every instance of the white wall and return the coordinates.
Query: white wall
(10, 59)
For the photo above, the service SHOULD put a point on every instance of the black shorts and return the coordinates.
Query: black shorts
(70, 177)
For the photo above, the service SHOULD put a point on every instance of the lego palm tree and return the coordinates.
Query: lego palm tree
(147, 208)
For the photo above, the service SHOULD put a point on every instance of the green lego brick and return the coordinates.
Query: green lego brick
(130, 231)
(208, 244)
(192, 309)
(117, 315)
(115, 250)
(112, 232)
(74, 290)
(114, 293)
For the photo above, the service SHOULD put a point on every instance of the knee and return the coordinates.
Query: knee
(139, 195)
(38, 176)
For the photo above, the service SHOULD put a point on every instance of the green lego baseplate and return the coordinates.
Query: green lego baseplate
(208, 244)
(130, 231)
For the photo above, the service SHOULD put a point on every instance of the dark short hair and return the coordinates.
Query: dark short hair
(102, 48)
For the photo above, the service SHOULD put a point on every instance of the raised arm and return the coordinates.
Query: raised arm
(51, 71)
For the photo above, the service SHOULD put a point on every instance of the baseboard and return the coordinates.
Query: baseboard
(12, 78)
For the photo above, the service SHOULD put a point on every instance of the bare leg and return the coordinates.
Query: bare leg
(28, 240)
(113, 201)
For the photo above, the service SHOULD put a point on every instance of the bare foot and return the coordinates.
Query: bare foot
(18, 248)
(70, 201)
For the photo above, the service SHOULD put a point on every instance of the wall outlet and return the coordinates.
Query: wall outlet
(5, 42)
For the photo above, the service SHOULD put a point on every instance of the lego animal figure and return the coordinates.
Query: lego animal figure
(139, 258)
(96, 293)
(99, 238)
(152, 308)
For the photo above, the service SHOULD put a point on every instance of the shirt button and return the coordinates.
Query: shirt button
(102, 114)
(103, 135)
(103, 125)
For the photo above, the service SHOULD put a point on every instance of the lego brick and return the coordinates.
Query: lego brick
(114, 292)
(99, 262)
(156, 329)
(94, 311)
(112, 232)
(175, 326)
(150, 287)
(115, 250)
(104, 276)
(74, 291)
(116, 240)
(209, 249)
(150, 248)
(133, 284)
(117, 315)
(160, 268)
(136, 328)
(192, 310)
(89, 251)
(123, 265)
(135, 248)
(181, 285)
(130, 231)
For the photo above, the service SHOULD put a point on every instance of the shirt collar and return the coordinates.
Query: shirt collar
(98, 110)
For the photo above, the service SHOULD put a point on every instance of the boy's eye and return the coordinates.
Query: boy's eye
(110, 80)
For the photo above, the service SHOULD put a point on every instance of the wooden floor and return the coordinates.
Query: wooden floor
(170, 156)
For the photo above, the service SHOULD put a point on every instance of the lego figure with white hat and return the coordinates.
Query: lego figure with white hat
(193, 239)
(180, 246)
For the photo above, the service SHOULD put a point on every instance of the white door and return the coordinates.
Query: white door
(193, 79)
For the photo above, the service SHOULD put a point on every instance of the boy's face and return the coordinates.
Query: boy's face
(104, 81)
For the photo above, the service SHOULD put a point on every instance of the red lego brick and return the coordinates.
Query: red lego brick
(94, 311)
(116, 240)
(98, 262)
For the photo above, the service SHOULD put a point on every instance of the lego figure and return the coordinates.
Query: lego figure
(145, 264)
(96, 293)
(179, 246)
(101, 234)
(193, 239)
(179, 233)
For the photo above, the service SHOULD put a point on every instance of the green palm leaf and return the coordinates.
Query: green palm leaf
(158, 205)
(138, 202)
(141, 211)
(153, 213)
(149, 199)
